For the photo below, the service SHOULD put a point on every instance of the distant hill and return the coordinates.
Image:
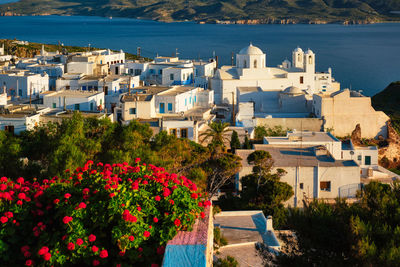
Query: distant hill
(261, 11)
(388, 100)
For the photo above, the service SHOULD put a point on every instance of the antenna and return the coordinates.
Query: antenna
(232, 58)
(138, 52)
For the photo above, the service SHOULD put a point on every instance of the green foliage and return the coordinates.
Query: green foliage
(216, 135)
(366, 233)
(229, 261)
(246, 144)
(235, 143)
(261, 131)
(219, 239)
(10, 148)
(127, 212)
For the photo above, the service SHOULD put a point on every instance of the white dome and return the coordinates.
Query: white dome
(251, 50)
(298, 50)
(293, 90)
(309, 52)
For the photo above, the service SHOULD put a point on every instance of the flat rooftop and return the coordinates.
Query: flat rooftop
(290, 156)
(176, 90)
(298, 137)
(71, 93)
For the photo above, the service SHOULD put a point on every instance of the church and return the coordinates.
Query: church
(270, 83)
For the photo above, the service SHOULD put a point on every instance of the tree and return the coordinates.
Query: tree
(246, 144)
(262, 162)
(220, 169)
(235, 142)
(217, 132)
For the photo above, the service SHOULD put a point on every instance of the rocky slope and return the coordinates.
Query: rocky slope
(226, 11)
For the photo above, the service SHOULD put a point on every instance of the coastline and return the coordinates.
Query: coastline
(267, 21)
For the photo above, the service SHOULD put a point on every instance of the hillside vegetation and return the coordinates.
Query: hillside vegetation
(264, 11)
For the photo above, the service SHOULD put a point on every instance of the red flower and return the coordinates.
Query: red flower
(137, 160)
(21, 196)
(71, 246)
(103, 254)
(82, 205)
(67, 195)
(27, 254)
(171, 201)
(177, 222)
(96, 262)
(92, 238)
(121, 253)
(139, 208)
(193, 187)
(28, 263)
(79, 241)
(157, 198)
(20, 180)
(131, 238)
(146, 233)
(47, 256)
(202, 214)
(95, 249)
(85, 191)
(166, 192)
(160, 250)
(25, 248)
(43, 250)
(194, 196)
(3, 219)
(8, 214)
(67, 219)
(155, 219)
(112, 195)
(56, 201)
(3, 187)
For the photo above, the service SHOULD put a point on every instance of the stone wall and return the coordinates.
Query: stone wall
(305, 124)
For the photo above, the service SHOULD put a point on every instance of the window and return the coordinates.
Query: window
(245, 64)
(151, 71)
(325, 186)
(171, 76)
(173, 132)
(19, 92)
(299, 58)
(91, 106)
(310, 60)
(76, 107)
(169, 106)
(190, 100)
(367, 160)
(184, 133)
(67, 87)
(132, 111)
(54, 105)
(138, 72)
(301, 79)
(301, 185)
(359, 157)
(116, 71)
(162, 108)
(255, 63)
(160, 72)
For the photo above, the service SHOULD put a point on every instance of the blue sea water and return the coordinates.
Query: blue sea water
(363, 57)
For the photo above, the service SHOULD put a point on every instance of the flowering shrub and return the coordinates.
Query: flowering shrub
(112, 215)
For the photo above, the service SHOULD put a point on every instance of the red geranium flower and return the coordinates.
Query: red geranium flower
(47, 256)
(131, 238)
(82, 205)
(157, 198)
(95, 249)
(96, 262)
(3, 219)
(79, 241)
(103, 254)
(28, 262)
(71, 246)
(67, 219)
(202, 214)
(146, 233)
(194, 196)
(92, 238)
(177, 222)
(67, 195)
(155, 219)
(43, 250)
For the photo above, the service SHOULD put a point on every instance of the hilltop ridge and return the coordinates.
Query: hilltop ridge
(213, 11)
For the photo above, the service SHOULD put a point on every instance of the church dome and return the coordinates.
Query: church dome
(298, 50)
(251, 50)
(309, 52)
(293, 90)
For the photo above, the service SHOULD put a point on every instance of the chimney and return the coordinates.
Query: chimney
(270, 226)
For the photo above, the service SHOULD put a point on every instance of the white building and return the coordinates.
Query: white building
(86, 68)
(251, 71)
(2, 50)
(19, 118)
(74, 100)
(311, 171)
(343, 110)
(22, 83)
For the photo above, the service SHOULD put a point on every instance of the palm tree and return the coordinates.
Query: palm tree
(217, 133)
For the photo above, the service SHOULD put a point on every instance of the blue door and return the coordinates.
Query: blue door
(162, 108)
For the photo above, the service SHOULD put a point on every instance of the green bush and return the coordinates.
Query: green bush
(95, 215)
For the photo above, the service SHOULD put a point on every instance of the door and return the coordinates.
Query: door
(367, 160)
(162, 108)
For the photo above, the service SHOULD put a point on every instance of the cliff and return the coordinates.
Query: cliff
(213, 11)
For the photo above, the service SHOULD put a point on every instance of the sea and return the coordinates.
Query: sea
(362, 57)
